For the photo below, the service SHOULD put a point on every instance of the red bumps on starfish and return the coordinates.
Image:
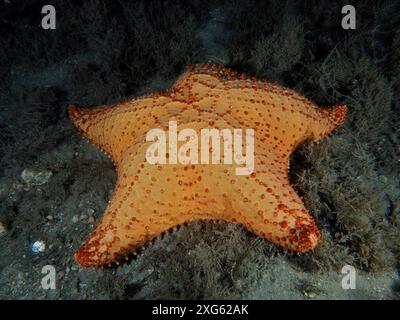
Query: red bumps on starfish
(150, 199)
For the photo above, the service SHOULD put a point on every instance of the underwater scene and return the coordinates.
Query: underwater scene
(226, 149)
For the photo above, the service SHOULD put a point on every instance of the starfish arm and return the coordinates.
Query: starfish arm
(326, 120)
(125, 224)
(271, 208)
(149, 200)
(113, 128)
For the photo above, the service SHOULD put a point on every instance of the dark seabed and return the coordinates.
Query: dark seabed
(54, 186)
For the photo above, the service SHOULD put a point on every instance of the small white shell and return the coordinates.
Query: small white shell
(38, 246)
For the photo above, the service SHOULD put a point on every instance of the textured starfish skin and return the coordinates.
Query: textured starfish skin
(150, 199)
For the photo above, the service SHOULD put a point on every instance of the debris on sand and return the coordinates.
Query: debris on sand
(35, 177)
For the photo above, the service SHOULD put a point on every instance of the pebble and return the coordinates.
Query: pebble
(310, 290)
(86, 213)
(38, 246)
(75, 218)
(310, 294)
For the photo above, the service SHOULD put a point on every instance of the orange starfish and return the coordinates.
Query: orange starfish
(149, 199)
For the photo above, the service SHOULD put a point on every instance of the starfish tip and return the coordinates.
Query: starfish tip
(84, 257)
(73, 111)
(339, 114)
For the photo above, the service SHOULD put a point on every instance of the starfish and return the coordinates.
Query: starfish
(150, 199)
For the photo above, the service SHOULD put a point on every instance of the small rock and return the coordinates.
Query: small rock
(49, 217)
(91, 219)
(310, 290)
(60, 275)
(90, 211)
(309, 294)
(38, 246)
(75, 218)
(35, 177)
